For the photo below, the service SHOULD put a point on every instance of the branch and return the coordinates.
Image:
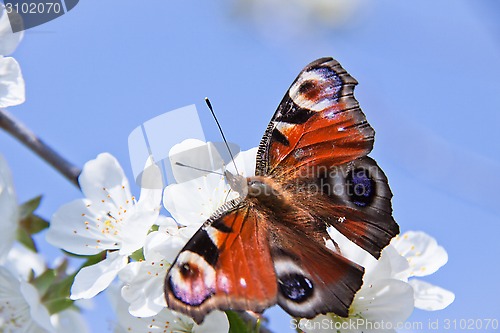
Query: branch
(30, 140)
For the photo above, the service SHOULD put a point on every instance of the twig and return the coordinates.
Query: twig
(30, 140)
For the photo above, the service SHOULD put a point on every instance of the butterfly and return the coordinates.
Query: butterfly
(267, 246)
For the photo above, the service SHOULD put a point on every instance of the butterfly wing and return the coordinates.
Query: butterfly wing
(319, 130)
(356, 199)
(227, 264)
(311, 278)
(317, 122)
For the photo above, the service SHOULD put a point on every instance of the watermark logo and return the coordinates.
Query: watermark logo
(152, 146)
(26, 14)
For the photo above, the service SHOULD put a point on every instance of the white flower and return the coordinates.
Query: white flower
(386, 298)
(144, 280)
(193, 201)
(109, 218)
(425, 257)
(20, 307)
(9, 212)
(12, 90)
(383, 298)
(164, 321)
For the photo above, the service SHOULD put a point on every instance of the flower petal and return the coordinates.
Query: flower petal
(21, 310)
(430, 297)
(162, 246)
(22, 262)
(76, 228)
(245, 162)
(215, 321)
(194, 201)
(144, 281)
(93, 279)
(165, 321)
(198, 196)
(390, 300)
(151, 176)
(12, 88)
(135, 229)
(103, 182)
(38, 312)
(9, 212)
(423, 253)
(9, 40)
(143, 290)
(195, 154)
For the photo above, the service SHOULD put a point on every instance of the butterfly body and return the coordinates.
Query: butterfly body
(268, 246)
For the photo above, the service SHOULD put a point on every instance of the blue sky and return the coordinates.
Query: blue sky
(428, 83)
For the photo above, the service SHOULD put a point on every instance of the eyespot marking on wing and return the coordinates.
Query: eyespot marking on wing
(296, 287)
(316, 89)
(361, 187)
(192, 279)
(294, 284)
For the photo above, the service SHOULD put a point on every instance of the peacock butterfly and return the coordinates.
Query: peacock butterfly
(268, 245)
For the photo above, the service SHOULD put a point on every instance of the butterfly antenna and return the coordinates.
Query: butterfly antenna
(199, 169)
(221, 132)
(227, 195)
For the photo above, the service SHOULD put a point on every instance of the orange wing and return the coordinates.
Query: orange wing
(318, 122)
(226, 265)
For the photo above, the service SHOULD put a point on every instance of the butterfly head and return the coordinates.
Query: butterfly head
(238, 183)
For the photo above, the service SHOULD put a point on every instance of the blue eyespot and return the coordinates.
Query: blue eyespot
(360, 187)
(296, 287)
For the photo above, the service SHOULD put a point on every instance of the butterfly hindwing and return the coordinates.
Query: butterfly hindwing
(311, 278)
(355, 198)
(226, 265)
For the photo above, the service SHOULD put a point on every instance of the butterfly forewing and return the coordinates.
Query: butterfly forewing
(318, 122)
